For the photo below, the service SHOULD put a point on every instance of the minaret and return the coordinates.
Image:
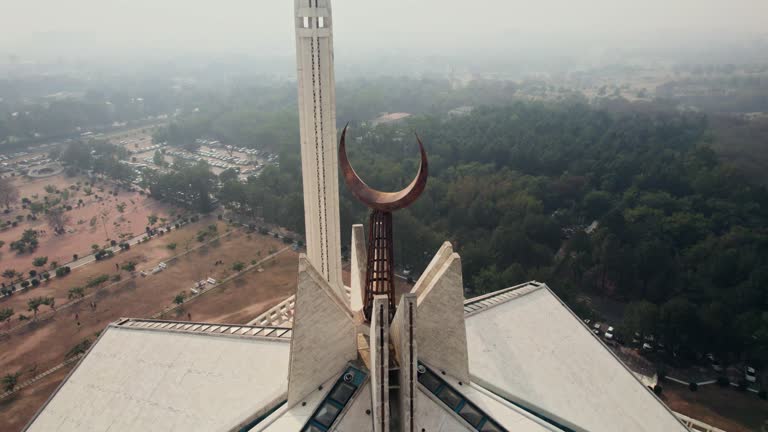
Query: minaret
(317, 117)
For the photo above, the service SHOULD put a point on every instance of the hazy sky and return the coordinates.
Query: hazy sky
(366, 26)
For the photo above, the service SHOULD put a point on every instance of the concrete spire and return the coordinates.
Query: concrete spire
(319, 154)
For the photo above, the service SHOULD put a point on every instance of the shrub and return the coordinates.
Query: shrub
(722, 381)
(75, 257)
(78, 349)
(60, 272)
(221, 217)
(96, 281)
(46, 275)
(35, 283)
(67, 269)
(40, 261)
(238, 266)
(693, 386)
(113, 242)
(116, 278)
(32, 273)
(25, 284)
(171, 246)
(658, 389)
(179, 299)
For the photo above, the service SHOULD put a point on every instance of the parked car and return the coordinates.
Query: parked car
(647, 347)
(750, 374)
(717, 366)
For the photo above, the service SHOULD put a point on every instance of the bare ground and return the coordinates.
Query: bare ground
(43, 344)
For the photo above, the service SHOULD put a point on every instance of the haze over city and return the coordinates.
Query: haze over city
(113, 30)
(393, 216)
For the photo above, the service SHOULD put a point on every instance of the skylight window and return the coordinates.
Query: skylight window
(306, 22)
(342, 392)
(456, 402)
(321, 22)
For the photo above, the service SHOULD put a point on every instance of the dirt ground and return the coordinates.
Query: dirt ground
(726, 408)
(97, 221)
(243, 298)
(44, 344)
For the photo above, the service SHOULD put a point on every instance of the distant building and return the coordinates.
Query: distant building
(461, 111)
(389, 118)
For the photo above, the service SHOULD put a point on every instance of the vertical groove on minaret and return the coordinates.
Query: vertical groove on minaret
(327, 269)
(318, 151)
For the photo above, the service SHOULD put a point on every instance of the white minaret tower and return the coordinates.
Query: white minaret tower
(319, 153)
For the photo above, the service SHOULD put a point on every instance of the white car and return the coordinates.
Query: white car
(647, 347)
(750, 374)
(609, 335)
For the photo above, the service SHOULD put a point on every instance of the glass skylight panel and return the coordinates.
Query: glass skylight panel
(327, 414)
(456, 402)
(342, 393)
(450, 398)
(471, 414)
(490, 426)
(430, 381)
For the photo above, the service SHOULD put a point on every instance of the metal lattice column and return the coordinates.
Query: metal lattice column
(379, 272)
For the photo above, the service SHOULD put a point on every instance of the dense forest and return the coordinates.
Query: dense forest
(681, 237)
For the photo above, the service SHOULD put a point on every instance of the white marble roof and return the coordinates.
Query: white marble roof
(137, 378)
(532, 350)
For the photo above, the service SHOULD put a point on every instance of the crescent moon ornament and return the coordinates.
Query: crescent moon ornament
(378, 200)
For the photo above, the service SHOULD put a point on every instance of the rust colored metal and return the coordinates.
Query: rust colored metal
(378, 200)
(380, 269)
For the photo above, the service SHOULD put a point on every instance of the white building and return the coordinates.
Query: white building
(514, 360)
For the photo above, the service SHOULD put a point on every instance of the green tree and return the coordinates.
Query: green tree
(180, 297)
(33, 305)
(10, 381)
(76, 293)
(6, 314)
(158, 158)
(641, 317)
(10, 274)
(238, 266)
